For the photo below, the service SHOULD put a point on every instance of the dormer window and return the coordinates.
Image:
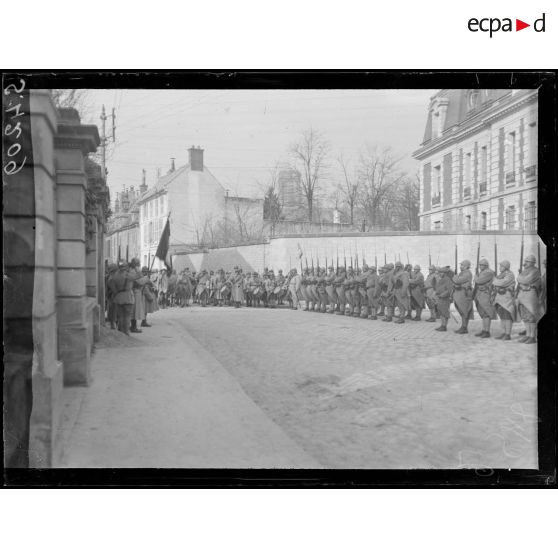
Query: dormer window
(438, 110)
(473, 99)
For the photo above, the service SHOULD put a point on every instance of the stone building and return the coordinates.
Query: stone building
(201, 211)
(478, 161)
(54, 214)
(122, 238)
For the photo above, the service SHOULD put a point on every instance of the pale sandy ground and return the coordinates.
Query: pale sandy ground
(276, 388)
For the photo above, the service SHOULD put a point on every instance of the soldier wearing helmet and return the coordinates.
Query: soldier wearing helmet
(443, 291)
(503, 288)
(482, 297)
(330, 289)
(373, 291)
(416, 289)
(528, 298)
(463, 295)
(339, 284)
(430, 295)
(401, 292)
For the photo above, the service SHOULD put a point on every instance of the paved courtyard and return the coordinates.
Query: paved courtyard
(224, 387)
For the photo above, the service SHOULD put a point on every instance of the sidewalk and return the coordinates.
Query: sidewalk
(167, 403)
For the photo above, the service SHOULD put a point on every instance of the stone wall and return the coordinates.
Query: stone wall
(282, 252)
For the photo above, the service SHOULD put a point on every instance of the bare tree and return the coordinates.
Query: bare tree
(269, 188)
(309, 159)
(72, 98)
(408, 204)
(379, 176)
(350, 187)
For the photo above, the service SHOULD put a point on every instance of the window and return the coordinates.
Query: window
(510, 218)
(483, 169)
(510, 158)
(531, 216)
(436, 185)
(437, 225)
(532, 155)
(467, 222)
(473, 99)
(483, 221)
(467, 176)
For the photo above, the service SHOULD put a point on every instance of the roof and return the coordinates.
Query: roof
(162, 184)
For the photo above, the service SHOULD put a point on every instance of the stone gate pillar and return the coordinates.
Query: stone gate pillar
(75, 310)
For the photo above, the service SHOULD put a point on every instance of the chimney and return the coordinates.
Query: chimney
(125, 201)
(172, 169)
(143, 185)
(196, 158)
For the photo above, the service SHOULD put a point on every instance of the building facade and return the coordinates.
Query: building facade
(200, 211)
(55, 208)
(122, 238)
(478, 161)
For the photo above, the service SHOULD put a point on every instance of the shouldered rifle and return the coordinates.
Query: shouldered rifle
(522, 249)
(456, 258)
(495, 256)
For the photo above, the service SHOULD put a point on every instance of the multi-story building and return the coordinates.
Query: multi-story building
(122, 238)
(200, 211)
(479, 161)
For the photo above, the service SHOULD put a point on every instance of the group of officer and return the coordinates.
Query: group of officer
(130, 296)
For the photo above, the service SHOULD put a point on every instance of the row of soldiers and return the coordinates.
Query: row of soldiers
(393, 292)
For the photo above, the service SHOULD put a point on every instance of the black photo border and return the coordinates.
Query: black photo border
(545, 476)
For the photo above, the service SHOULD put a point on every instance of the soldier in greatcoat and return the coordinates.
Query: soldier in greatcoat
(388, 292)
(503, 297)
(463, 295)
(482, 297)
(138, 312)
(401, 291)
(237, 287)
(528, 298)
(430, 294)
(122, 284)
(330, 289)
(339, 284)
(443, 291)
(416, 290)
(149, 298)
(373, 291)
(294, 288)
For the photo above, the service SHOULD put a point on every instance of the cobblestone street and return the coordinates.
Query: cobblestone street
(336, 392)
(361, 394)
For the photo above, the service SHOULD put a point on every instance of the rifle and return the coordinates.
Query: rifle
(127, 246)
(478, 257)
(318, 261)
(429, 256)
(344, 258)
(495, 256)
(352, 261)
(337, 264)
(539, 255)
(456, 257)
(306, 260)
(356, 262)
(312, 260)
(522, 249)
(408, 258)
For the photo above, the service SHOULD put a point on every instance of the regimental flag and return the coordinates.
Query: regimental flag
(163, 248)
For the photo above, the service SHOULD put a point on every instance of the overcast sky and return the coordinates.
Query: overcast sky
(245, 132)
